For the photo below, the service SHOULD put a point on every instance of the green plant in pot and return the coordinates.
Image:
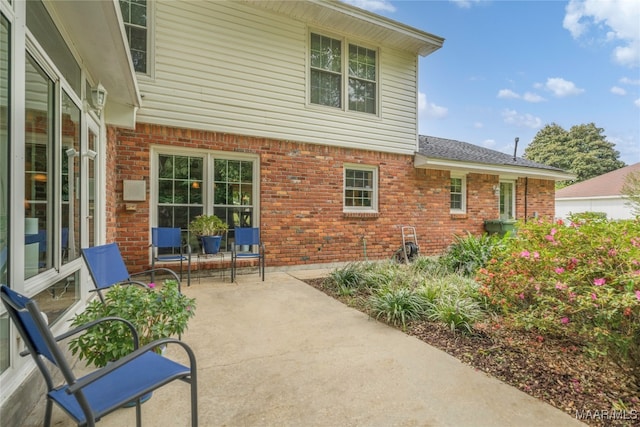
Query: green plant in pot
(209, 229)
(155, 313)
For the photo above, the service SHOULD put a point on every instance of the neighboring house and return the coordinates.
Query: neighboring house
(600, 194)
(297, 117)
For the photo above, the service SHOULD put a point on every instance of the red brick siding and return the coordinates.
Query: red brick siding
(301, 194)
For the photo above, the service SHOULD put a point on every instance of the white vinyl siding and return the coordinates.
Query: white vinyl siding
(230, 67)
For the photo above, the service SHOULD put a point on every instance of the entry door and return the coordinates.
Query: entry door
(507, 200)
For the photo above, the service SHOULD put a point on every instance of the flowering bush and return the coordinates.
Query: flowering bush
(580, 281)
(155, 313)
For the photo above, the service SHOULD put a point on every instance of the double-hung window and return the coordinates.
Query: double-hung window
(360, 188)
(135, 17)
(342, 77)
(458, 191)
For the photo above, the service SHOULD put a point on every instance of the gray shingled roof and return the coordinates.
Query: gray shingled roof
(450, 149)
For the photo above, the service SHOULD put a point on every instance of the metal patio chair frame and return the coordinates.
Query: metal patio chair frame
(170, 237)
(107, 268)
(247, 236)
(89, 398)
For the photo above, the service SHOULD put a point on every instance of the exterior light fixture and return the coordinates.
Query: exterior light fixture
(496, 190)
(91, 154)
(71, 152)
(98, 97)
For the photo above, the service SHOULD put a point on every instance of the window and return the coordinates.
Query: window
(5, 92)
(507, 200)
(327, 68)
(360, 189)
(458, 195)
(362, 79)
(134, 15)
(186, 187)
(39, 195)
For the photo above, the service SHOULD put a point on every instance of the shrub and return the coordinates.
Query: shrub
(397, 305)
(580, 281)
(458, 312)
(467, 254)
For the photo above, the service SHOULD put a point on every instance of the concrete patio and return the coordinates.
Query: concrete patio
(281, 353)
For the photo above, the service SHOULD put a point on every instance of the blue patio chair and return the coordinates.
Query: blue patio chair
(107, 268)
(89, 398)
(169, 240)
(247, 237)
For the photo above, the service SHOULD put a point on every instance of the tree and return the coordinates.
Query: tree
(631, 189)
(583, 151)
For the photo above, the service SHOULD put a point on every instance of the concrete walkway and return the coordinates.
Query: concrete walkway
(281, 353)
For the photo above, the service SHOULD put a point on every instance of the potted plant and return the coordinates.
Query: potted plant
(155, 313)
(209, 229)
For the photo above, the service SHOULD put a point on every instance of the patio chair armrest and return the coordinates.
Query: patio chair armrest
(96, 375)
(167, 270)
(88, 325)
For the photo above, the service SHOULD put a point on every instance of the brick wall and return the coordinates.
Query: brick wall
(301, 198)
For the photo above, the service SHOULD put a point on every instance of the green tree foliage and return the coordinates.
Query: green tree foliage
(583, 151)
(631, 189)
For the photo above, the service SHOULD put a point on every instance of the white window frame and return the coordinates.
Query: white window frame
(344, 73)
(512, 196)
(150, 28)
(463, 193)
(208, 159)
(374, 190)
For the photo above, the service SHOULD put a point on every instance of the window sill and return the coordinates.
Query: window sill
(364, 215)
(459, 215)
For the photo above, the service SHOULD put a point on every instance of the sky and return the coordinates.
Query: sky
(508, 68)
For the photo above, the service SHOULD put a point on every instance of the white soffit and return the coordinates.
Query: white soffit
(347, 19)
(97, 34)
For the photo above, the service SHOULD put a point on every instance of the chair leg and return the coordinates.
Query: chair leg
(47, 413)
(194, 400)
(138, 414)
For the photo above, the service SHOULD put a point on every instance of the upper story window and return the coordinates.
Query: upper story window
(339, 77)
(134, 15)
(458, 195)
(360, 188)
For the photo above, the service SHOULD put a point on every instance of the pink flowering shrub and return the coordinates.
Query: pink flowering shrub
(583, 283)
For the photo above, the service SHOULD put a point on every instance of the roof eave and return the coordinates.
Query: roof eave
(424, 162)
(344, 18)
(96, 32)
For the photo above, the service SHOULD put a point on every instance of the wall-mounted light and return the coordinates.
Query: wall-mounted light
(98, 97)
(90, 154)
(496, 190)
(71, 152)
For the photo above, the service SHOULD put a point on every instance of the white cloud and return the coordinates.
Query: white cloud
(528, 96)
(372, 5)
(488, 143)
(614, 21)
(532, 97)
(478, 125)
(628, 81)
(430, 109)
(561, 87)
(464, 4)
(618, 91)
(512, 117)
(507, 93)
(637, 102)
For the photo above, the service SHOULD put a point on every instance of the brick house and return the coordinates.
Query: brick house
(318, 146)
(300, 118)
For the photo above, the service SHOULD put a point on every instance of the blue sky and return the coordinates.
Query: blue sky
(508, 68)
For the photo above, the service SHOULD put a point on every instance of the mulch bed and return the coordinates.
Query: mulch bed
(599, 392)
